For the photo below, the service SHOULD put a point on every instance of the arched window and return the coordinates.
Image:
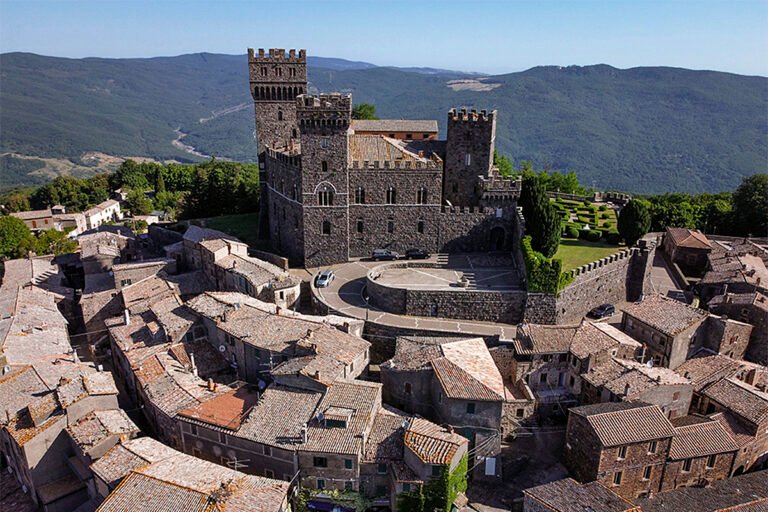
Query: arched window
(279, 115)
(391, 195)
(421, 196)
(360, 195)
(326, 227)
(325, 197)
(420, 226)
(390, 225)
(468, 160)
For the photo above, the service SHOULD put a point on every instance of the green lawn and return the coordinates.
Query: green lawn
(244, 226)
(575, 253)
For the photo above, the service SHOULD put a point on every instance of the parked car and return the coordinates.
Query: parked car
(602, 311)
(325, 278)
(384, 254)
(416, 254)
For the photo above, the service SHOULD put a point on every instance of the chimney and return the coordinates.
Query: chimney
(211, 386)
(192, 360)
(626, 389)
(304, 433)
(317, 375)
(309, 334)
(126, 317)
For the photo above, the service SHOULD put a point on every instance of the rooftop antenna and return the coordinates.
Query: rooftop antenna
(236, 463)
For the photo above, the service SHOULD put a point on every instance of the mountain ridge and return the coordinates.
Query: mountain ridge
(642, 129)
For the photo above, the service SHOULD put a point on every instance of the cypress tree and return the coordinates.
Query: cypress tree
(634, 221)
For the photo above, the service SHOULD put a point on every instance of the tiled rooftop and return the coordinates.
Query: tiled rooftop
(226, 410)
(544, 339)
(568, 495)
(415, 126)
(665, 315)
(473, 358)
(619, 423)
(741, 399)
(96, 426)
(129, 455)
(379, 148)
(197, 234)
(701, 439)
(362, 398)
(745, 493)
(629, 378)
(17, 389)
(385, 441)
(689, 238)
(705, 368)
(431, 443)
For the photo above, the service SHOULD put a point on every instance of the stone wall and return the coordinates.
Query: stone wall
(477, 229)
(469, 154)
(541, 308)
(461, 303)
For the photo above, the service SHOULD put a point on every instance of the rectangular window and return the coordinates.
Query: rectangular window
(406, 487)
(381, 469)
(468, 160)
(675, 396)
(269, 473)
(647, 472)
(437, 470)
(622, 452)
(320, 483)
(652, 447)
(424, 135)
(519, 413)
(324, 166)
(420, 226)
(359, 225)
(617, 478)
(347, 463)
(409, 136)
(193, 429)
(222, 438)
(267, 451)
(390, 226)
(687, 465)
(543, 378)
(320, 462)
(470, 408)
(325, 142)
(711, 460)
(125, 282)
(348, 486)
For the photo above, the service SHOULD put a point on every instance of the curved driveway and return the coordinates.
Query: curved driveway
(345, 297)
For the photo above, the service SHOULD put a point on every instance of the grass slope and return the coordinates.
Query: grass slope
(575, 253)
(641, 130)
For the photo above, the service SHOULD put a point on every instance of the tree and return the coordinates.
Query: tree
(55, 242)
(542, 221)
(750, 206)
(15, 237)
(17, 202)
(634, 221)
(138, 203)
(503, 163)
(364, 111)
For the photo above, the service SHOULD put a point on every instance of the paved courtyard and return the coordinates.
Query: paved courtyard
(501, 278)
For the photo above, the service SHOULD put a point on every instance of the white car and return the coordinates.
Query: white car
(325, 278)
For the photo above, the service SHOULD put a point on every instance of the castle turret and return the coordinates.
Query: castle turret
(324, 126)
(277, 79)
(469, 154)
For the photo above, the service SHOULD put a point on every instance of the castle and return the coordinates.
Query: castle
(335, 188)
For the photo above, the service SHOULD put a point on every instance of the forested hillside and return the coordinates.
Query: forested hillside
(643, 130)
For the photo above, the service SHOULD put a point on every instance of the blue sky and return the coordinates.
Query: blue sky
(484, 36)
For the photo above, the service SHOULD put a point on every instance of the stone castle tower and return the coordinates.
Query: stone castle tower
(276, 80)
(324, 123)
(469, 154)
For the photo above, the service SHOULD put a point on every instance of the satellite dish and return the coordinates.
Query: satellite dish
(222, 348)
(649, 364)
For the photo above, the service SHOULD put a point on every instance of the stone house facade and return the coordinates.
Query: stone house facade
(751, 308)
(621, 445)
(687, 247)
(332, 193)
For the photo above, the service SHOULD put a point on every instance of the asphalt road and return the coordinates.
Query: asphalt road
(345, 296)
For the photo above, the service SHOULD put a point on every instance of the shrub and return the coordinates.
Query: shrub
(587, 202)
(605, 216)
(544, 274)
(571, 232)
(602, 208)
(593, 235)
(607, 225)
(613, 237)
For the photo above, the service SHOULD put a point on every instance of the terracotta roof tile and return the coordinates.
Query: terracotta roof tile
(741, 399)
(385, 441)
(544, 339)
(705, 368)
(415, 126)
(226, 410)
(701, 439)
(618, 424)
(432, 443)
(664, 314)
(568, 495)
(692, 239)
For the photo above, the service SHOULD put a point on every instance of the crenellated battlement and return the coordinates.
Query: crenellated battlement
(471, 115)
(395, 164)
(276, 55)
(321, 102)
(501, 184)
(325, 112)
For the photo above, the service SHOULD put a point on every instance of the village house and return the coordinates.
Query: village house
(55, 217)
(622, 445)
(258, 337)
(735, 268)
(687, 247)
(154, 477)
(568, 495)
(672, 331)
(224, 260)
(750, 308)
(455, 382)
(624, 380)
(104, 212)
(702, 451)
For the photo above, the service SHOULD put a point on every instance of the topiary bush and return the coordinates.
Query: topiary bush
(571, 232)
(593, 235)
(602, 208)
(605, 216)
